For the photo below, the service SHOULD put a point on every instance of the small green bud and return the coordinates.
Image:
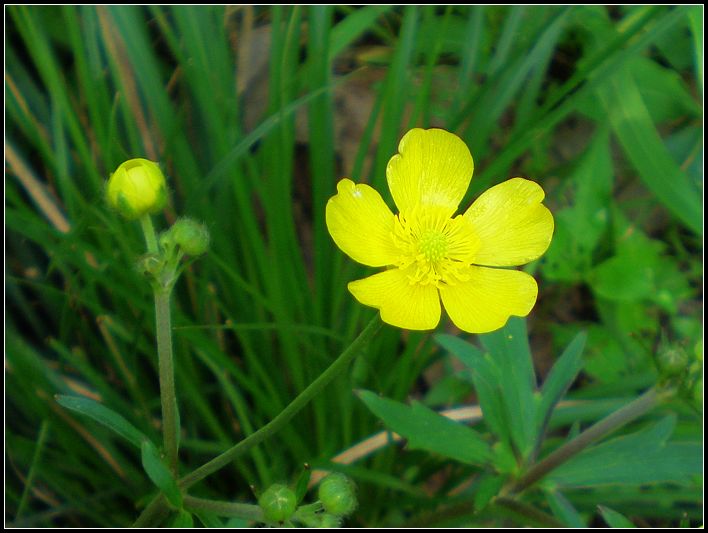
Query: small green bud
(191, 236)
(338, 494)
(150, 264)
(278, 503)
(673, 359)
(136, 188)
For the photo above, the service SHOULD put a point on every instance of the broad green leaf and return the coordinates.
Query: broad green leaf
(103, 415)
(486, 380)
(509, 350)
(559, 380)
(639, 458)
(426, 430)
(614, 519)
(159, 474)
(645, 149)
(625, 276)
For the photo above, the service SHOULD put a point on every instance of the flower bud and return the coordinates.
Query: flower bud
(191, 236)
(136, 188)
(673, 359)
(338, 494)
(278, 503)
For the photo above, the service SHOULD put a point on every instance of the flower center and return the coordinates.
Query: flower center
(433, 245)
(435, 248)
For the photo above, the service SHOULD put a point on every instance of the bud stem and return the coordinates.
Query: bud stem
(149, 232)
(163, 329)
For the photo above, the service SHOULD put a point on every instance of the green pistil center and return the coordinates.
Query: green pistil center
(433, 245)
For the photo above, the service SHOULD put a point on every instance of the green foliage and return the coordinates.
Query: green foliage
(253, 113)
(426, 430)
(105, 416)
(159, 474)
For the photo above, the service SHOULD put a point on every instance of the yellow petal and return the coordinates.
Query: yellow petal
(402, 304)
(488, 298)
(513, 226)
(433, 168)
(361, 224)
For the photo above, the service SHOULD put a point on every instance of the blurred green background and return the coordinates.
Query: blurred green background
(255, 113)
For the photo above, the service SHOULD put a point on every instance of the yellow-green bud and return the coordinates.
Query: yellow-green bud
(191, 236)
(136, 188)
(337, 494)
(278, 503)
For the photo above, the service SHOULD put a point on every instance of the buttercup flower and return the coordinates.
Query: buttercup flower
(430, 253)
(137, 187)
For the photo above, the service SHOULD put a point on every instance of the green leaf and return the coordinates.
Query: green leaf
(639, 458)
(625, 276)
(509, 350)
(614, 519)
(663, 91)
(559, 379)
(103, 415)
(636, 132)
(486, 379)
(488, 487)
(427, 430)
(159, 474)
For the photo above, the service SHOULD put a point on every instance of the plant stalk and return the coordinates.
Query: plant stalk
(247, 511)
(156, 509)
(163, 329)
(619, 418)
(291, 410)
(168, 397)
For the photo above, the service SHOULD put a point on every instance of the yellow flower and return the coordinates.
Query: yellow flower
(430, 253)
(137, 187)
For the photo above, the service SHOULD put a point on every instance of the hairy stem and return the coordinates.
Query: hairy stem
(168, 397)
(149, 233)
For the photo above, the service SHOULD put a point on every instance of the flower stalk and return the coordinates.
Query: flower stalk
(163, 328)
(157, 508)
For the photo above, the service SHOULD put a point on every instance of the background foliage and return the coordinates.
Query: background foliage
(255, 113)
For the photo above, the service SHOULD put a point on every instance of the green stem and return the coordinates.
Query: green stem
(149, 233)
(163, 328)
(246, 511)
(619, 418)
(291, 410)
(156, 509)
(168, 397)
